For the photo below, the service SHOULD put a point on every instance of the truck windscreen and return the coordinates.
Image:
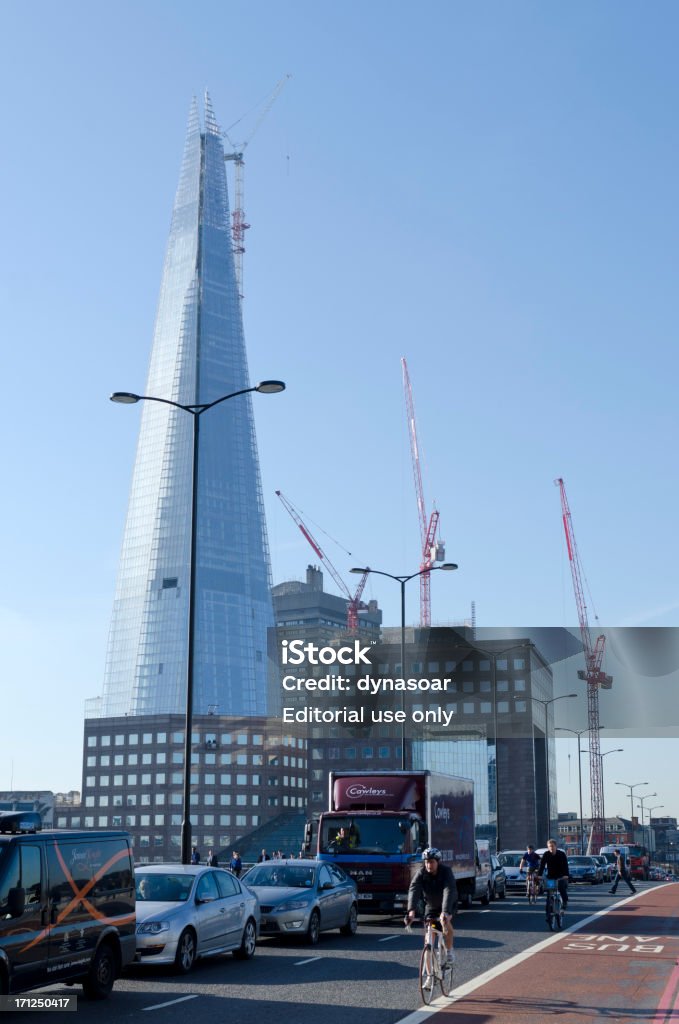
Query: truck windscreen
(366, 835)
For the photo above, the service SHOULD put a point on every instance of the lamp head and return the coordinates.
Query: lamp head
(270, 387)
(359, 570)
(448, 566)
(125, 397)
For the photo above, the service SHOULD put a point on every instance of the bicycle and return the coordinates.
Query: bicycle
(433, 962)
(532, 887)
(554, 909)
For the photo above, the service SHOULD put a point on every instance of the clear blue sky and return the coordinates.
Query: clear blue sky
(487, 189)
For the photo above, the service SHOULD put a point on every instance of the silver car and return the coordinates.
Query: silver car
(304, 898)
(187, 911)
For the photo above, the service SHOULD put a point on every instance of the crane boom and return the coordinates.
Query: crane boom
(593, 675)
(352, 599)
(238, 223)
(432, 551)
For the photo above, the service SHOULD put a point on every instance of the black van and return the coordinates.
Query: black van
(67, 906)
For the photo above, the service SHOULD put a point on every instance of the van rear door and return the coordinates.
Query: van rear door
(23, 939)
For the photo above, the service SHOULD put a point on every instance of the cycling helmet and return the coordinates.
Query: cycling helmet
(431, 853)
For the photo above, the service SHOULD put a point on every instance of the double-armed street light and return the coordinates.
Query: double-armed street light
(631, 800)
(650, 812)
(196, 410)
(615, 750)
(578, 733)
(545, 704)
(402, 580)
(641, 799)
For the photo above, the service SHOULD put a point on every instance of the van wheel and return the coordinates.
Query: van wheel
(102, 973)
(186, 952)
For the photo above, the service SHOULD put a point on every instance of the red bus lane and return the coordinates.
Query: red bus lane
(619, 965)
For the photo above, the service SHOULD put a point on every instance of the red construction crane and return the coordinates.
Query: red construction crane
(593, 675)
(432, 550)
(353, 599)
(238, 223)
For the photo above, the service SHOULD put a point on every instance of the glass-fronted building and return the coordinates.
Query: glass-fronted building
(198, 356)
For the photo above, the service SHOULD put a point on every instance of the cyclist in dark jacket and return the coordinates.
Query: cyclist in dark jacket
(554, 864)
(435, 884)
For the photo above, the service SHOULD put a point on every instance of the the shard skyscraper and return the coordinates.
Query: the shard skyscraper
(198, 356)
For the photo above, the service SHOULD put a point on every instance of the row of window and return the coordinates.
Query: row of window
(177, 779)
(208, 760)
(225, 739)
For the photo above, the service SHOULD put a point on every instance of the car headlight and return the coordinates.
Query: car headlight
(152, 927)
(297, 904)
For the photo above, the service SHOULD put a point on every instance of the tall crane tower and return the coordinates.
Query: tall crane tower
(433, 550)
(352, 599)
(238, 223)
(593, 675)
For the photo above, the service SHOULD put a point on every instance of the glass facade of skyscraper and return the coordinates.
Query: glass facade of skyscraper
(198, 355)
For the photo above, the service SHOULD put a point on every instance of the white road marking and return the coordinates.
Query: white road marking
(172, 1002)
(389, 938)
(299, 963)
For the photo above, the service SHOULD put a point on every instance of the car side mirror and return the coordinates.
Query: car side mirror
(16, 901)
(327, 885)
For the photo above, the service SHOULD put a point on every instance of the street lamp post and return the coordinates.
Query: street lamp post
(641, 799)
(578, 733)
(631, 801)
(650, 812)
(402, 580)
(265, 387)
(545, 704)
(615, 750)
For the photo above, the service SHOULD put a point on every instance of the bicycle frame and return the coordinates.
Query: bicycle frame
(433, 965)
(554, 908)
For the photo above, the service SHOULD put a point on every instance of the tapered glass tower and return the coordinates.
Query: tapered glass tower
(198, 355)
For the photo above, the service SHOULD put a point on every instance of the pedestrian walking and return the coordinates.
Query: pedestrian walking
(621, 871)
(235, 864)
(195, 855)
(212, 860)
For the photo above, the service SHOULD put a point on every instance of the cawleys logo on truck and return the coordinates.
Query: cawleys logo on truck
(442, 813)
(358, 790)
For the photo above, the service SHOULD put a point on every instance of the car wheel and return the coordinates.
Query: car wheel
(492, 892)
(503, 892)
(102, 973)
(186, 952)
(352, 922)
(246, 950)
(314, 929)
(485, 899)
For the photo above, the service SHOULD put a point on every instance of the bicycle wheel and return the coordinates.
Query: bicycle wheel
(550, 913)
(558, 915)
(427, 978)
(447, 975)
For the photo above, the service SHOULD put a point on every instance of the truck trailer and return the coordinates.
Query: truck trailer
(378, 823)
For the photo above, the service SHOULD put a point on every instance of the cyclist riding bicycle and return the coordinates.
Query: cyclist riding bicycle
(554, 864)
(530, 862)
(435, 884)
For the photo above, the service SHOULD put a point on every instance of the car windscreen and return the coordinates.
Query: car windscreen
(163, 888)
(510, 860)
(587, 861)
(282, 876)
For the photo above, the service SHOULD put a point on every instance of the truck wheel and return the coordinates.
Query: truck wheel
(98, 982)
